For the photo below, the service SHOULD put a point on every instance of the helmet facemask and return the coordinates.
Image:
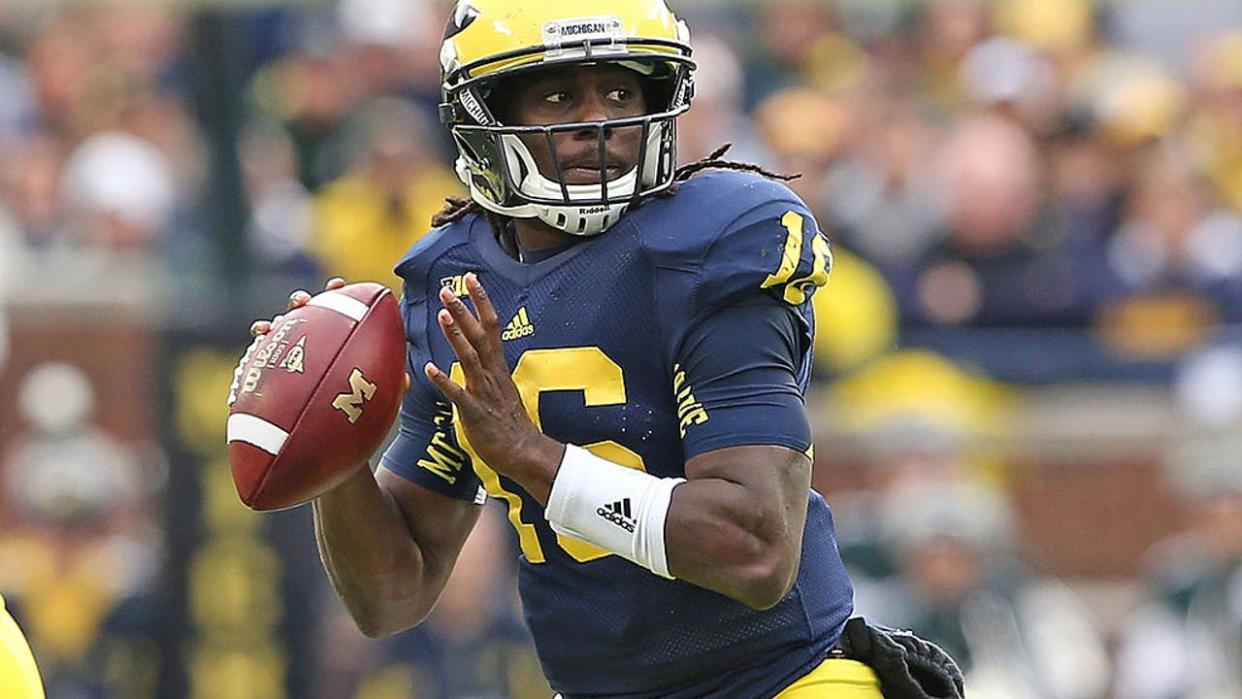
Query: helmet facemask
(497, 165)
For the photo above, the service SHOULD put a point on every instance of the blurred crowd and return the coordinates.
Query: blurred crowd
(1014, 163)
(984, 169)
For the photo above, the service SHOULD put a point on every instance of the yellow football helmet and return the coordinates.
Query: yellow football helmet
(490, 40)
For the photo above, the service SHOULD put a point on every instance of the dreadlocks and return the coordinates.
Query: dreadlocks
(456, 208)
(715, 162)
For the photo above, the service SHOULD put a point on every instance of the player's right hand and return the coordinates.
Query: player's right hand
(259, 328)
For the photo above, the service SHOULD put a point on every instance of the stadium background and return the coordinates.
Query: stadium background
(1029, 383)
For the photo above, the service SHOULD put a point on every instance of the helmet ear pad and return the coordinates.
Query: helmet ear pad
(500, 97)
(658, 91)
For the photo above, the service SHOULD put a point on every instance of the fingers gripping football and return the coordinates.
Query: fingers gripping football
(261, 327)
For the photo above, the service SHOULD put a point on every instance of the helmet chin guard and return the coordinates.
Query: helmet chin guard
(584, 209)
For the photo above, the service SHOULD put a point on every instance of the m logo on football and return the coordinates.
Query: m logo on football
(360, 392)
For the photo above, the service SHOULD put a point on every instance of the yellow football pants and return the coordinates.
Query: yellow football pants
(19, 677)
(835, 678)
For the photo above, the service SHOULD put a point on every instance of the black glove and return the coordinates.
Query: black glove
(908, 666)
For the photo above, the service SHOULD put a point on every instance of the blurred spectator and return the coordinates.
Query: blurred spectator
(716, 115)
(918, 413)
(1163, 30)
(947, 31)
(11, 266)
(1012, 78)
(806, 131)
(1061, 28)
(967, 589)
(282, 216)
(916, 419)
(1086, 184)
(393, 46)
(1215, 130)
(881, 197)
(1178, 260)
(31, 187)
(312, 95)
(788, 33)
(120, 190)
(1186, 639)
(368, 218)
(80, 542)
(1133, 100)
(999, 263)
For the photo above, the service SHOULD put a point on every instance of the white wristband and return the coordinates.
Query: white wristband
(618, 509)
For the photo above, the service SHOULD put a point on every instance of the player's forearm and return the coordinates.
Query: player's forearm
(370, 556)
(533, 464)
(721, 536)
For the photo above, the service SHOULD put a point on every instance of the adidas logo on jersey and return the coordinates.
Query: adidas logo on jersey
(519, 327)
(619, 514)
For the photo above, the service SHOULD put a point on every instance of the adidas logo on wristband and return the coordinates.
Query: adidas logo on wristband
(619, 514)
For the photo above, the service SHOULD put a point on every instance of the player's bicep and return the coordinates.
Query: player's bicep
(747, 393)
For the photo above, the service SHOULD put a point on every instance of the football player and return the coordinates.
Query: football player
(617, 349)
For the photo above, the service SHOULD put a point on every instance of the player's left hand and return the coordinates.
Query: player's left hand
(489, 406)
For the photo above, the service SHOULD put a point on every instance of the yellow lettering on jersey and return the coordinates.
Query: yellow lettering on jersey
(689, 410)
(360, 392)
(797, 291)
(602, 382)
(528, 538)
(456, 284)
(792, 254)
(443, 459)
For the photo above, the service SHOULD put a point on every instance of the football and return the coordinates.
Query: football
(316, 396)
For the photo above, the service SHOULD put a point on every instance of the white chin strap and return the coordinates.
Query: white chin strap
(575, 220)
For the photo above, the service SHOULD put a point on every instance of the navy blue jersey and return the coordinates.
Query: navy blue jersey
(606, 340)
